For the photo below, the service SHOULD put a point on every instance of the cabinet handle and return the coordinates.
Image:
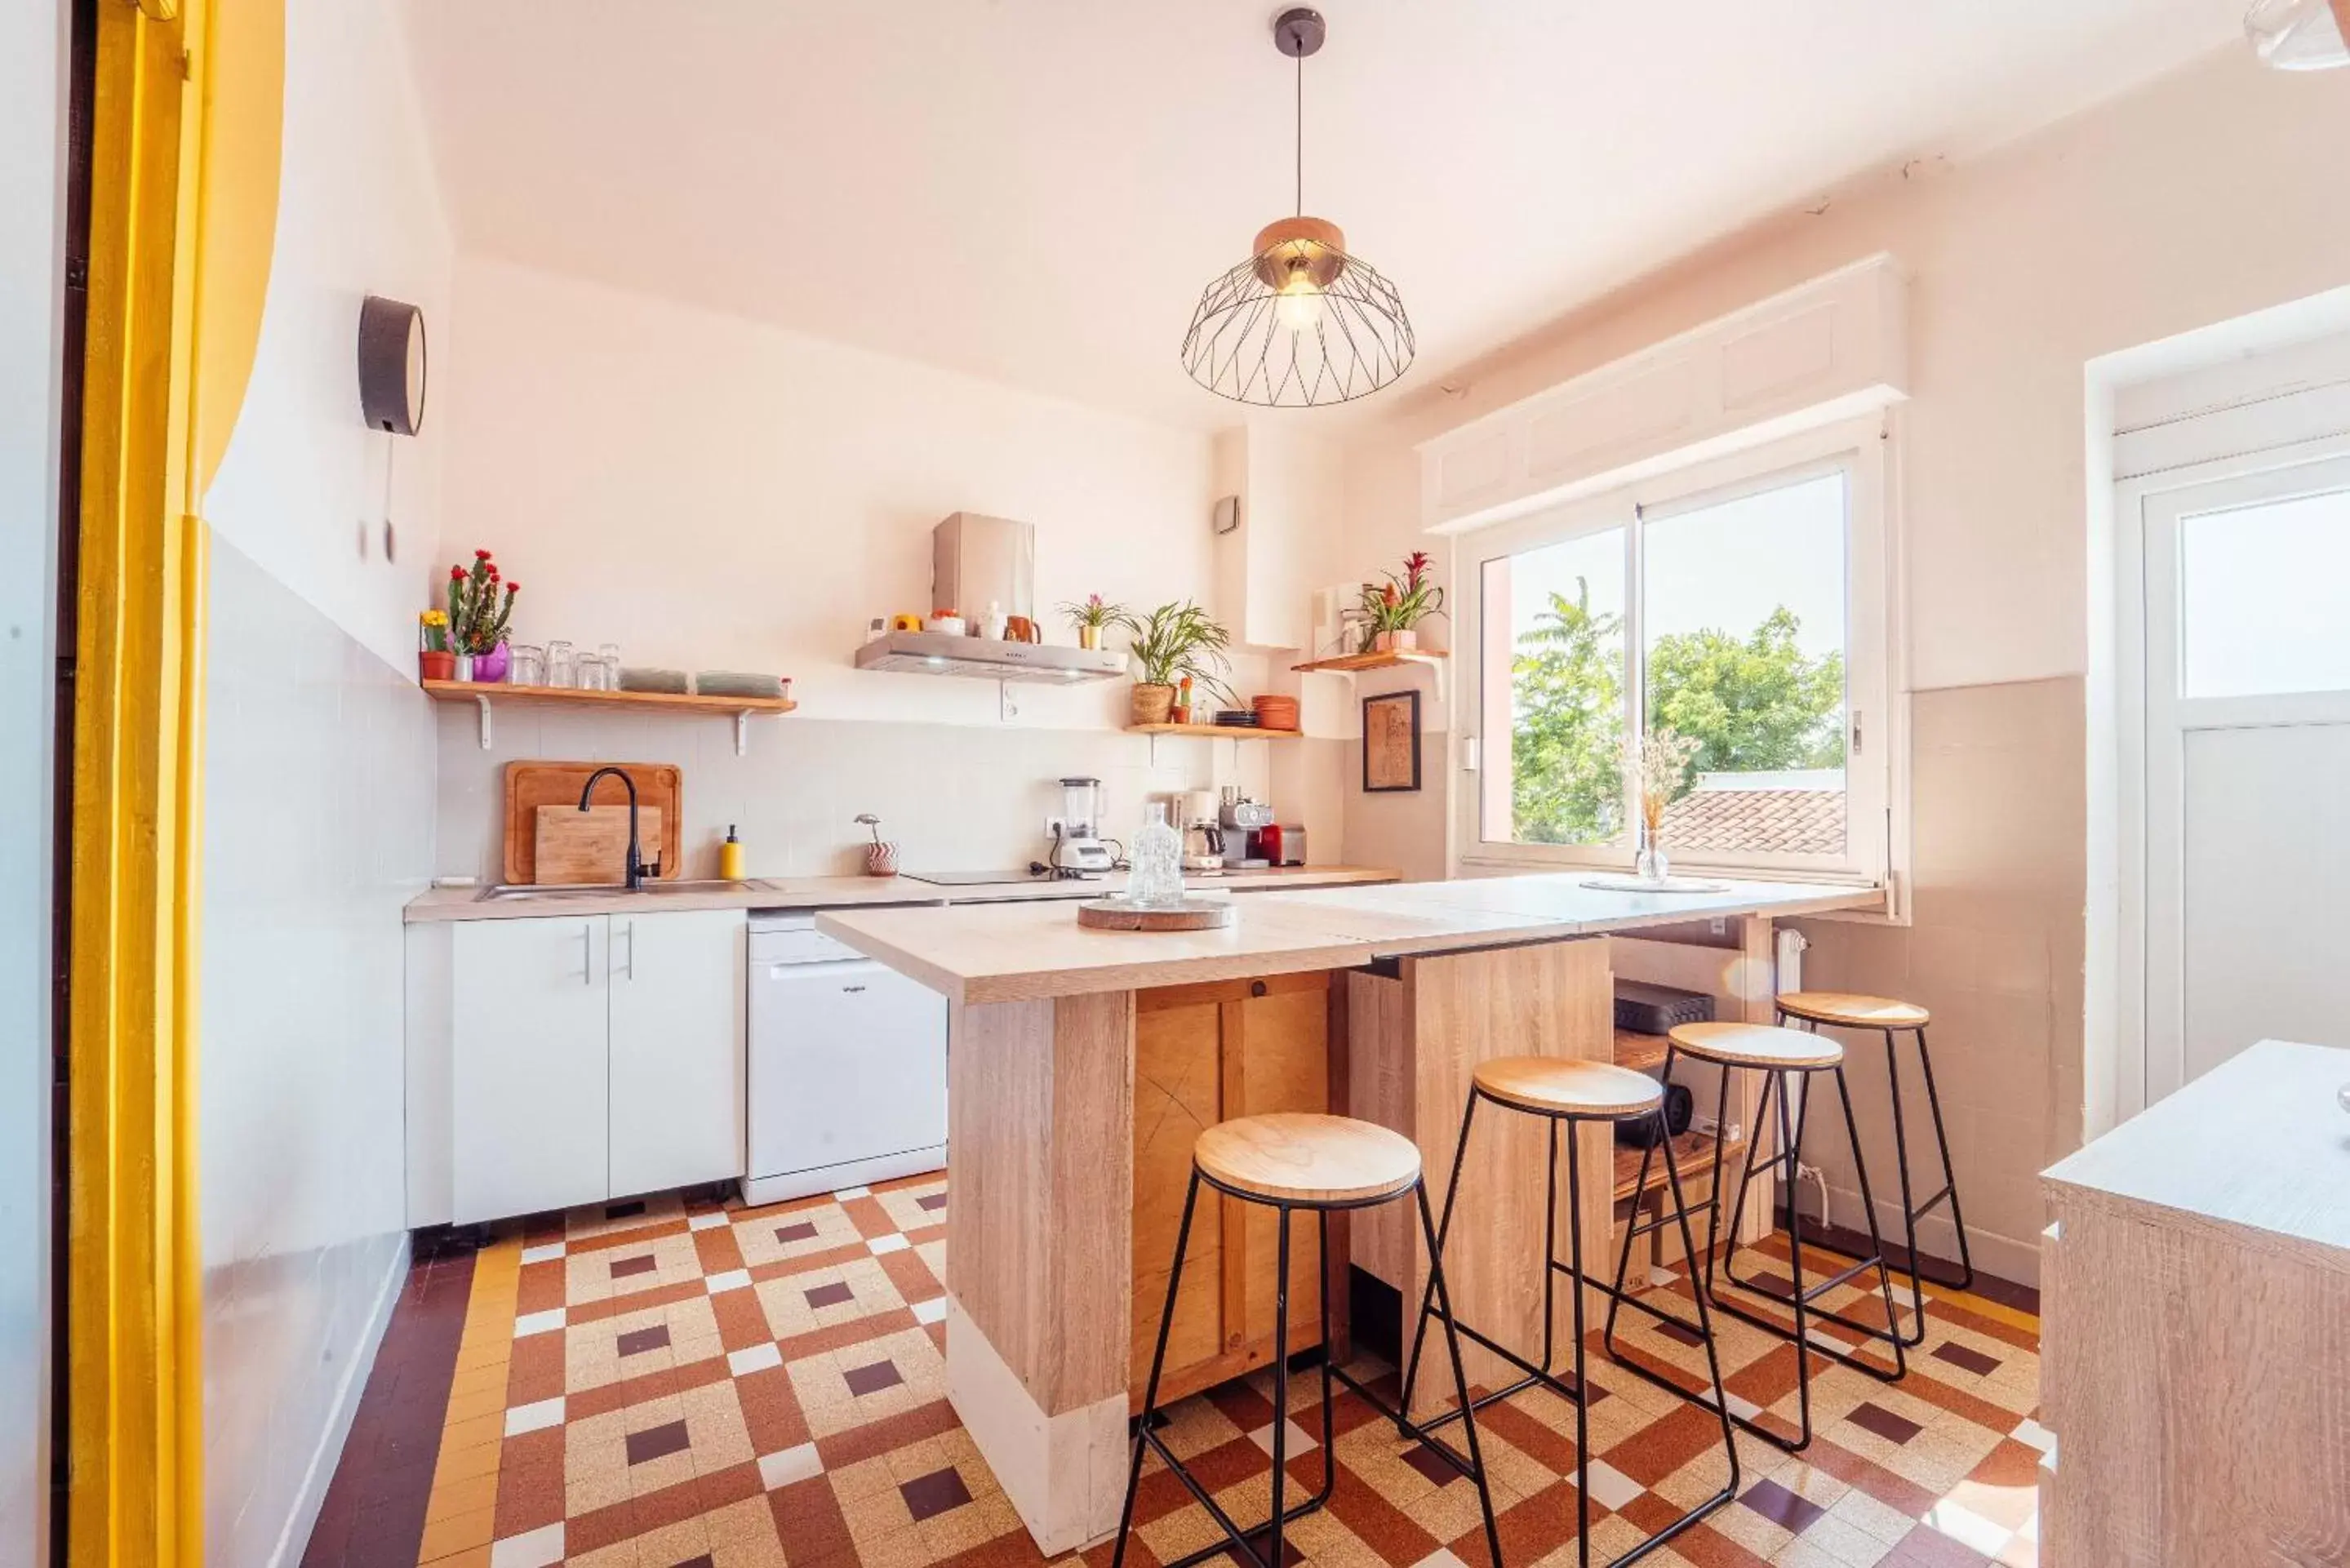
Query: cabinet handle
(629, 930)
(586, 955)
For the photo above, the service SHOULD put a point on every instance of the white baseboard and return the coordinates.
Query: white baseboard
(296, 1537)
(2013, 1259)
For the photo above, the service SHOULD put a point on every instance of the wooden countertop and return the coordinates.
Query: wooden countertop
(2260, 1143)
(1009, 952)
(822, 892)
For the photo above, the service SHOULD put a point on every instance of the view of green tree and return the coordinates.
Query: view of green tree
(1757, 703)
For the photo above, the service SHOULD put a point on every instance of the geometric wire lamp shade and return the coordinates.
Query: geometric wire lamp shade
(1298, 325)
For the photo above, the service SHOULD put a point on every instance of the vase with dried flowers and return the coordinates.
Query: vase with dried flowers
(1092, 616)
(1392, 610)
(1176, 641)
(480, 609)
(1659, 760)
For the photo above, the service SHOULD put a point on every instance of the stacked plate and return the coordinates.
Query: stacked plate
(1236, 719)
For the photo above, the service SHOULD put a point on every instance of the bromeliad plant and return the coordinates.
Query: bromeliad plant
(1093, 615)
(1391, 610)
(478, 614)
(1178, 640)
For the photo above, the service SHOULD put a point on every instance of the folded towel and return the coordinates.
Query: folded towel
(735, 683)
(672, 681)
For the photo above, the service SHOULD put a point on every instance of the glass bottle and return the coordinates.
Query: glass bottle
(1156, 861)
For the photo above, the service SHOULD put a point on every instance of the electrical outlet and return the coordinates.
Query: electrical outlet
(1053, 826)
(1720, 926)
(1701, 1122)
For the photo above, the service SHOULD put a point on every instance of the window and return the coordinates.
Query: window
(1740, 606)
(2261, 599)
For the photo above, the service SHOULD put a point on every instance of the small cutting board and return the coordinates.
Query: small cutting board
(660, 786)
(575, 846)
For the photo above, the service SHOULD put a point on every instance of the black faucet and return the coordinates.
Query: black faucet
(637, 868)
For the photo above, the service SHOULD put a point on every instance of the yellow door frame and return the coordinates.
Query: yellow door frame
(183, 183)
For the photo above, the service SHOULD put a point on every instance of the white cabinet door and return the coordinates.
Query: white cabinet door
(527, 1038)
(678, 1002)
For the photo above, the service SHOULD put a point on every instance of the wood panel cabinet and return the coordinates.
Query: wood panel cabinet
(1204, 1053)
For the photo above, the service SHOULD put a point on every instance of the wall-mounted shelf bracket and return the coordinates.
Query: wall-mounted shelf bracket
(482, 704)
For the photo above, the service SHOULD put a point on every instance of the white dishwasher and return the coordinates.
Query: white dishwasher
(848, 1070)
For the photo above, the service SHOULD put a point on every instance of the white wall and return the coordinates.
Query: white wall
(2200, 197)
(318, 796)
(32, 213)
(712, 492)
(301, 488)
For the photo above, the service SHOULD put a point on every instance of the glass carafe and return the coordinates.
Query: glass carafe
(1156, 878)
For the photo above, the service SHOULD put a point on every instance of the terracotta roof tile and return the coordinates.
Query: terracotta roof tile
(1757, 821)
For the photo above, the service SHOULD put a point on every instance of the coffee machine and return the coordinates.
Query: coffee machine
(1243, 820)
(1204, 835)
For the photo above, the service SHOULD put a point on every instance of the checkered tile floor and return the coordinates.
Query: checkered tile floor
(673, 1384)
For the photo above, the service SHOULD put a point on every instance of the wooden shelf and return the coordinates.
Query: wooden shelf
(1692, 1157)
(571, 697)
(483, 693)
(1222, 732)
(1641, 1052)
(1349, 662)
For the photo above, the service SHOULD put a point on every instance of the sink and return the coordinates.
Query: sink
(505, 891)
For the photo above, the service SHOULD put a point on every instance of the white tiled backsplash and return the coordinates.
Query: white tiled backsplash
(954, 798)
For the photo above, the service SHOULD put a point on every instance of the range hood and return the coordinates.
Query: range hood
(936, 653)
(976, 563)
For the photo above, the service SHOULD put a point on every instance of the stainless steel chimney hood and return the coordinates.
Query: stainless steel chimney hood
(978, 563)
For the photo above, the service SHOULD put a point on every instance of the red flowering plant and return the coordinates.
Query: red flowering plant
(1400, 604)
(479, 605)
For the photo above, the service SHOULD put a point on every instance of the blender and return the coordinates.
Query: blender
(1079, 847)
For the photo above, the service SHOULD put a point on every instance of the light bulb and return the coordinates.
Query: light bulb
(1298, 306)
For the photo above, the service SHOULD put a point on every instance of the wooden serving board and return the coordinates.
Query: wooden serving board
(1192, 915)
(577, 847)
(530, 786)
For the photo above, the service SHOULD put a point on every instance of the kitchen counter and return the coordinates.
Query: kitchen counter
(821, 892)
(1083, 1064)
(2194, 1290)
(987, 953)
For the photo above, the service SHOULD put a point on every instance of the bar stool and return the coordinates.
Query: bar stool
(1781, 1055)
(1569, 1093)
(1844, 1010)
(1323, 1165)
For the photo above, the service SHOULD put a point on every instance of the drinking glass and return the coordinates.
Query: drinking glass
(595, 674)
(526, 665)
(562, 665)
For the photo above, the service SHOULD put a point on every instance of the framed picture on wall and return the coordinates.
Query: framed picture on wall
(1391, 742)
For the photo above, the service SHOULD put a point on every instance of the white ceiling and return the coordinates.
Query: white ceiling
(1036, 190)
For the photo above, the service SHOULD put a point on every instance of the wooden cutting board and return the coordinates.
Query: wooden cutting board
(592, 845)
(530, 786)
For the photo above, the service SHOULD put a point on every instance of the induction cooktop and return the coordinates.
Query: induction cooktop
(1036, 872)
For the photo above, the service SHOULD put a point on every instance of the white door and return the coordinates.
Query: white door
(2247, 766)
(527, 1043)
(677, 1049)
(850, 1063)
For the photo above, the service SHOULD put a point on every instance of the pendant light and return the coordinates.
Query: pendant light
(2300, 34)
(1301, 323)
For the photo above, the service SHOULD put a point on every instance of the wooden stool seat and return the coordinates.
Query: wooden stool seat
(1296, 1157)
(1756, 1045)
(1849, 1010)
(1557, 1086)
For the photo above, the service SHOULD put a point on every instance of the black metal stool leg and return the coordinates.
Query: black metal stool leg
(1582, 1371)
(1459, 1373)
(1280, 1385)
(1158, 1364)
(1908, 1207)
(1876, 1242)
(1427, 1293)
(1949, 1175)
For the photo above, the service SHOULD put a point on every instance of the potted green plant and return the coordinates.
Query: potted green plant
(479, 614)
(1393, 610)
(1092, 616)
(1173, 641)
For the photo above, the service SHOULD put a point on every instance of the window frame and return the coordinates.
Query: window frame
(1875, 715)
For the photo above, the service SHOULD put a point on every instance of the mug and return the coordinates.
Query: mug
(905, 623)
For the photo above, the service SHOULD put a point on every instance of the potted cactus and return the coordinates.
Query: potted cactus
(480, 609)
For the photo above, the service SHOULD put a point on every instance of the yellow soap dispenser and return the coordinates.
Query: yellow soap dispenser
(730, 858)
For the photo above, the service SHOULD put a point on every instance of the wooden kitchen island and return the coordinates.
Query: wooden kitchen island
(1082, 1063)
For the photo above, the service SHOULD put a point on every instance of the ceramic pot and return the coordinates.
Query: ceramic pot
(1394, 641)
(491, 665)
(881, 859)
(1088, 637)
(436, 666)
(1150, 703)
